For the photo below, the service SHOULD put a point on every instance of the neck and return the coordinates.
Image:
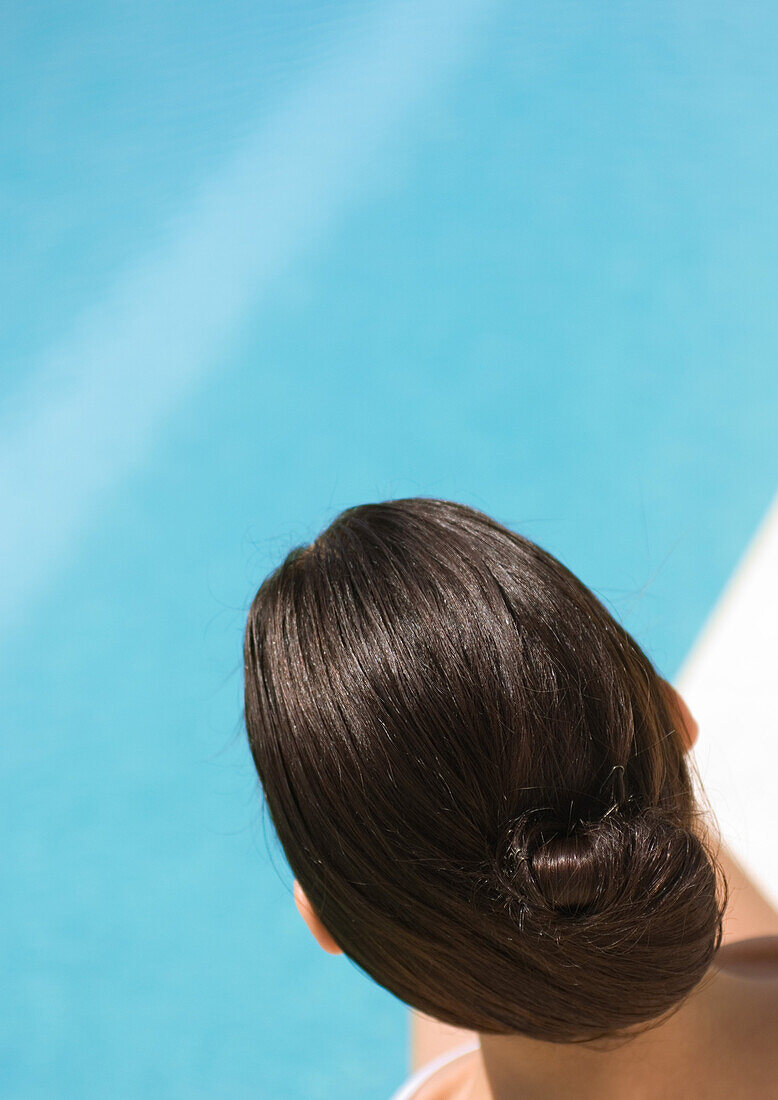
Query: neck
(513, 1065)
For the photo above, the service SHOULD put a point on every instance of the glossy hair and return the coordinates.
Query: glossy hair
(475, 776)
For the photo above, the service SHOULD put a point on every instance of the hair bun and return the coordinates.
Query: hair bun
(562, 870)
(573, 872)
(630, 901)
(629, 861)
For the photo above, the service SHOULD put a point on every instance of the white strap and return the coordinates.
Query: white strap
(411, 1087)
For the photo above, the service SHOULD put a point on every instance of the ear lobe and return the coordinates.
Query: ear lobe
(692, 730)
(315, 926)
(687, 724)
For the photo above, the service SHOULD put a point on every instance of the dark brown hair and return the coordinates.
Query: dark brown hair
(476, 778)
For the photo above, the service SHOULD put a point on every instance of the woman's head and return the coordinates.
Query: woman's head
(477, 776)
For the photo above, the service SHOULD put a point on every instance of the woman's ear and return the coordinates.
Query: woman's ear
(315, 926)
(687, 724)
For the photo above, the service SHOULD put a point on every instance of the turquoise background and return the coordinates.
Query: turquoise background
(536, 274)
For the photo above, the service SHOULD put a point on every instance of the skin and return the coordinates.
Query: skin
(720, 1043)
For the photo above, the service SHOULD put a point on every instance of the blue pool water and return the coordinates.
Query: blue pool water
(264, 261)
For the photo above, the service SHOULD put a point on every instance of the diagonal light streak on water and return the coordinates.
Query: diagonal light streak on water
(93, 408)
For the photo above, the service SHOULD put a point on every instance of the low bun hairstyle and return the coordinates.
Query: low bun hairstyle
(476, 778)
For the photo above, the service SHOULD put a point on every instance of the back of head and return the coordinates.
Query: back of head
(475, 776)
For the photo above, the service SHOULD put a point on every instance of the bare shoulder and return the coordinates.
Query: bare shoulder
(749, 971)
(755, 959)
(750, 1020)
